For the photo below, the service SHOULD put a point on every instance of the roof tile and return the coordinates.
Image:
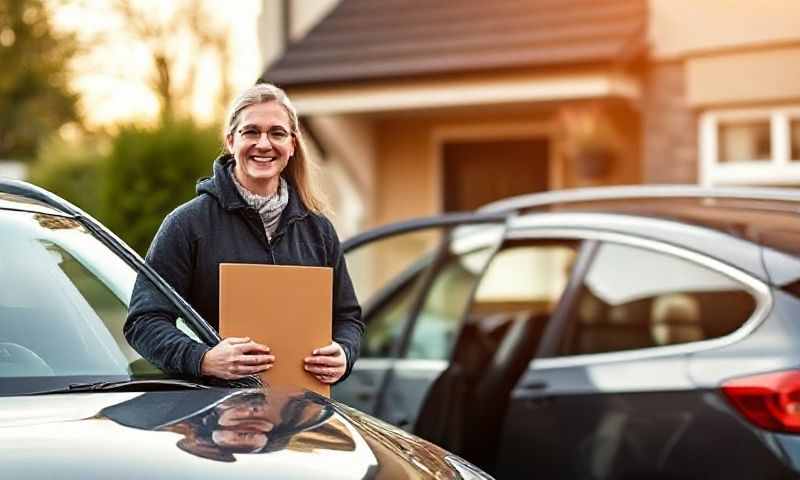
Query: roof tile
(371, 40)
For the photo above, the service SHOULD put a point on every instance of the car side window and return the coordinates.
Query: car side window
(525, 275)
(634, 298)
(386, 275)
(386, 325)
(391, 273)
(439, 318)
(447, 296)
(523, 283)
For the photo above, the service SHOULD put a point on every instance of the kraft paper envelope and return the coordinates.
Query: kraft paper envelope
(287, 308)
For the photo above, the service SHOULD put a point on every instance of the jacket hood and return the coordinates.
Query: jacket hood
(220, 186)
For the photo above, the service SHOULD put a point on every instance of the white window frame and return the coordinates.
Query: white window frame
(777, 170)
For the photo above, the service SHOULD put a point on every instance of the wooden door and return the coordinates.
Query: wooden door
(479, 172)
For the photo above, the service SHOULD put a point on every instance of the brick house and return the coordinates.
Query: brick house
(423, 107)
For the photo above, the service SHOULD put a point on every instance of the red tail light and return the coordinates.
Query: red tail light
(771, 401)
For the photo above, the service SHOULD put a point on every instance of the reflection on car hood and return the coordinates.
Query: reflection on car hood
(215, 433)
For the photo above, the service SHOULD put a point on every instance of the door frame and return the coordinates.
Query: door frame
(450, 220)
(469, 132)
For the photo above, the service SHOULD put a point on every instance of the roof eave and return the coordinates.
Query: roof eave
(514, 87)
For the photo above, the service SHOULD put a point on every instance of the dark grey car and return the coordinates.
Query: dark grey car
(77, 402)
(629, 332)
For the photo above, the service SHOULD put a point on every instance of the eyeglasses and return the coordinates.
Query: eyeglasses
(275, 135)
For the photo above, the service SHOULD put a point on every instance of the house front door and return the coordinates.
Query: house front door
(479, 172)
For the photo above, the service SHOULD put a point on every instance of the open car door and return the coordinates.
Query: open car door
(414, 280)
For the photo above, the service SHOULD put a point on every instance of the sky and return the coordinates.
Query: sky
(112, 76)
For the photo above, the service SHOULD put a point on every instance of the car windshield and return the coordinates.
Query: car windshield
(63, 302)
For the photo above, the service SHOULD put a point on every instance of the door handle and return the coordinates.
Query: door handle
(533, 394)
(533, 385)
(535, 403)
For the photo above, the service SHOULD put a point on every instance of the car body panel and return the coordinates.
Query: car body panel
(682, 434)
(166, 435)
(783, 269)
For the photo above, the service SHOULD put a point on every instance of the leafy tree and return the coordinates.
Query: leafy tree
(172, 79)
(149, 172)
(35, 99)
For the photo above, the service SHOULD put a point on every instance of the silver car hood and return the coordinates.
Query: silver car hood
(214, 433)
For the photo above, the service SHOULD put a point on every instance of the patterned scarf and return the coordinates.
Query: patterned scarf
(269, 208)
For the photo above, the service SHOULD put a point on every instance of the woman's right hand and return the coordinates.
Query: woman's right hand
(236, 357)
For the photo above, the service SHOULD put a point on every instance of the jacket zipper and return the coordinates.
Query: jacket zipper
(281, 233)
(256, 218)
(269, 247)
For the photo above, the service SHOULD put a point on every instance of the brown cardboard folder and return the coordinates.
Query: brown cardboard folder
(287, 308)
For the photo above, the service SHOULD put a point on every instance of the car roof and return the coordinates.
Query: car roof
(766, 216)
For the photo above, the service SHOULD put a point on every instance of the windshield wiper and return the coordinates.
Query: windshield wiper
(125, 385)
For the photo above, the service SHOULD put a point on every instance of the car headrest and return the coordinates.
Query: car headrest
(675, 318)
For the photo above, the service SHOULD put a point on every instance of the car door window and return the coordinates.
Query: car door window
(440, 316)
(391, 274)
(526, 275)
(386, 325)
(634, 298)
(386, 274)
(523, 282)
(451, 286)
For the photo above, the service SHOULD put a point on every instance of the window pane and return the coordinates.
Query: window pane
(386, 325)
(388, 275)
(794, 133)
(634, 298)
(523, 283)
(448, 296)
(744, 141)
(385, 274)
(531, 275)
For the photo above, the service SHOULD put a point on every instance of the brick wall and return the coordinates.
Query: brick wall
(669, 127)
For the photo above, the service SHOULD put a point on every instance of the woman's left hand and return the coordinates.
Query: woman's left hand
(328, 363)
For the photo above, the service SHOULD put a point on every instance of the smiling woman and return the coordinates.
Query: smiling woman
(260, 206)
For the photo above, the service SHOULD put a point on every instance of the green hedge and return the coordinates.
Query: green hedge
(71, 171)
(150, 172)
(146, 173)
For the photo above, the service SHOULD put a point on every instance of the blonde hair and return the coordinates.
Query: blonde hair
(301, 170)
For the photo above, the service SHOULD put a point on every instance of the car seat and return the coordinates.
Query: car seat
(465, 407)
(675, 318)
(440, 417)
(485, 413)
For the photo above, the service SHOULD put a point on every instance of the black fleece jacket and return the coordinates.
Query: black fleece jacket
(217, 227)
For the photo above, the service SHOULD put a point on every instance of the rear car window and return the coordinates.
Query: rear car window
(633, 298)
